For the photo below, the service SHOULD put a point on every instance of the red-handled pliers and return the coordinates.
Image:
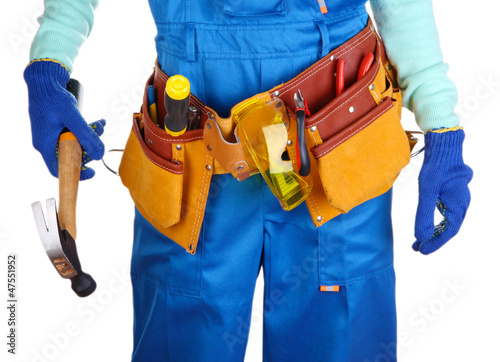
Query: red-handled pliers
(303, 161)
(366, 64)
(340, 77)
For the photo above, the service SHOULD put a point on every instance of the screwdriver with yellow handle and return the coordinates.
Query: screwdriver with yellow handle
(177, 92)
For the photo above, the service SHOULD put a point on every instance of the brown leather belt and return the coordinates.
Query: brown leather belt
(317, 82)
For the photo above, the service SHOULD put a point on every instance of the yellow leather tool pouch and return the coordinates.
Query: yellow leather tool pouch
(167, 177)
(358, 141)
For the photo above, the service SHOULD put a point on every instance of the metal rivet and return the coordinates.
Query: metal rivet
(276, 93)
(240, 168)
(209, 126)
(389, 67)
(372, 87)
(211, 115)
(278, 104)
(208, 167)
(178, 147)
(150, 142)
(332, 58)
(289, 143)
(351, 109)
(209, 148)
(414, 139)
(319, 219)
(313, 129)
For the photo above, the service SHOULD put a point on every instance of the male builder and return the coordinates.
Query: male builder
(196, 306)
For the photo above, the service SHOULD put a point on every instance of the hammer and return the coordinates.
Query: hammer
(58, 232)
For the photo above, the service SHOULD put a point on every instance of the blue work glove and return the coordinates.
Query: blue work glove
(52, 108)
(443, 184)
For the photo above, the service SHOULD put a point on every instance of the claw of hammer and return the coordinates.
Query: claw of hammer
(61, 249)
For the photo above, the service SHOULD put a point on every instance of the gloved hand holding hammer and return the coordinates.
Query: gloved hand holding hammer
(67, 143)
(52, 108)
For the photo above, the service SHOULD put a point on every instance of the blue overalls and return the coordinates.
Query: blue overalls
(198, 307)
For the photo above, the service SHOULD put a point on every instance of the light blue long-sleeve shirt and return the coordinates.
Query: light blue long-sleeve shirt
(407, 28)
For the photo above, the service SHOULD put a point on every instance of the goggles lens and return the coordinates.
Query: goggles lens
(262, 128)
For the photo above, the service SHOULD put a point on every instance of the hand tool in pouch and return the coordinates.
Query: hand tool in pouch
(177, 92)
(193, 116)
(303, 161)
(58, 231)
(153, 112)
(366, 64)
(340, 77)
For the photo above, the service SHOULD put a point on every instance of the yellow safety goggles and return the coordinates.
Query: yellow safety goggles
(263, 130)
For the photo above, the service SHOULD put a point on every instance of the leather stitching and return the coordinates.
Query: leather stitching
(157, 164)
(348, 100)
(325, 63)
(374, 117)
(200, 202)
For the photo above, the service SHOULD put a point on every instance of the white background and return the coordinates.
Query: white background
(436, 322)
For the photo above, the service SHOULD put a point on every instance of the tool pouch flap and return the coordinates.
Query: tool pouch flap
(155, 183)
(364, 159)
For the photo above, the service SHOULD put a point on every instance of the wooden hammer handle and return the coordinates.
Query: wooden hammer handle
(70, 163)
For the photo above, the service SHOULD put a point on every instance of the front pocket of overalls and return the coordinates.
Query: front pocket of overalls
(363, 160)
(154, 183)
(254, 8)
(358, 244)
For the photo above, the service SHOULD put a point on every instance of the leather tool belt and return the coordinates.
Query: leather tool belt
(356, 143)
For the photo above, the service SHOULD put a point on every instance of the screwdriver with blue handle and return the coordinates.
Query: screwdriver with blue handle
(153, 111)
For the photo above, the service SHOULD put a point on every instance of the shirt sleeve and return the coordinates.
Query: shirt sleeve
(64, 27)
(411, 39)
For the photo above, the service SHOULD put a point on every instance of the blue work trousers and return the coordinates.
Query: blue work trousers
(198, 307)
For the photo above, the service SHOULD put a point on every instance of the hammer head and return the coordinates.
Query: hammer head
(61, 249)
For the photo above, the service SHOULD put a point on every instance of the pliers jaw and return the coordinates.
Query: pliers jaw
(299, 101)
